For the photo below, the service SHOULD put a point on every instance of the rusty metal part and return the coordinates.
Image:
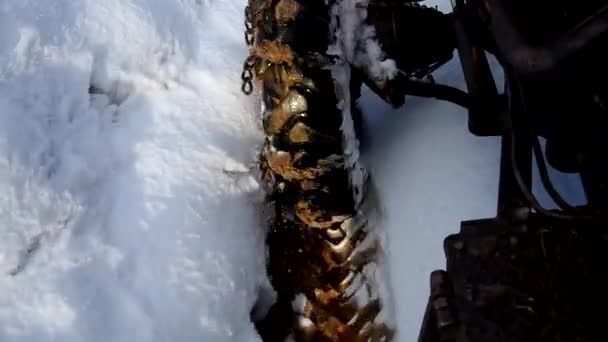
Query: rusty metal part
(286, 11)
(319, 242)
(274, 52)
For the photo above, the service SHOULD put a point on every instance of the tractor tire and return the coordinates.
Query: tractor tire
(323, 247)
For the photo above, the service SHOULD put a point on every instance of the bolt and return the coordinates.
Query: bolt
(458, 245)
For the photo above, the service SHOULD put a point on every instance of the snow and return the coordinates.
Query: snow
(431, 174)
(358, 44)
(129, 212)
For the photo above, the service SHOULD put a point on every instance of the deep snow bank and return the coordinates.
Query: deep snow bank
(126, 214)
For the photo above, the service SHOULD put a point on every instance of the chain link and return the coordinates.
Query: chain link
(249, 36)
(247, 75)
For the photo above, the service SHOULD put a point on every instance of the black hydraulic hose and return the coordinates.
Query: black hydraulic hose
(437, 91)
(525, 191)
(546, 180)
(531, 199)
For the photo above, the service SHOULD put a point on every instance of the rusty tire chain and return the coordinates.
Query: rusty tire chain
(247, 73)
(318, 247)
(249, 33)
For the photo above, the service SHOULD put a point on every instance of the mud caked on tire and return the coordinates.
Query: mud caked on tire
(321, 248)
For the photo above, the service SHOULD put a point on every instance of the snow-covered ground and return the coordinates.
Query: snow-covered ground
(126, 215)
(127, 212)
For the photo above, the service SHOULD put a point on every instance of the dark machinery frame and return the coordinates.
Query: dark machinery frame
(496, 267)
